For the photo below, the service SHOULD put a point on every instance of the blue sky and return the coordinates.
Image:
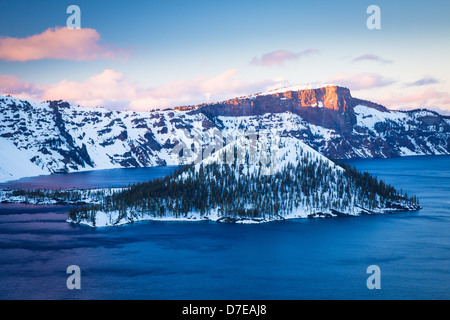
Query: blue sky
(166, 53)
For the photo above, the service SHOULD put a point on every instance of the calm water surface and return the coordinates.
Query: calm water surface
(90, 179)
(299, 259)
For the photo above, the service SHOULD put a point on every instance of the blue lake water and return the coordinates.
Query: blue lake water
(90, 179)
(298, 259)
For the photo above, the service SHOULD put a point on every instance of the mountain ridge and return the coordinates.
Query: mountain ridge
(57, 137)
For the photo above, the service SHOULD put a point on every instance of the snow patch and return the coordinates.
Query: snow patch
(15, 163)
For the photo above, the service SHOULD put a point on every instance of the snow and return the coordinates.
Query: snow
(296, 88)
(424, 113)
(91, 196)
(111, 219)
(283, 122)
(267, 152)
(15, 163)
(103, 219)
(404, 151)
(368, 117)
(323, 133)
(32, 127)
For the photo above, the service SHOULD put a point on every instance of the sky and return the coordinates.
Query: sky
(141, 55)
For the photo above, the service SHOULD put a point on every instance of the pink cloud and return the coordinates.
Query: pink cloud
(401, 99)
(13, 85)
(115, 90)
(199, 90)
(280, 57)
(429, 98)
(107, 85)
(361, 81)
(57, 43)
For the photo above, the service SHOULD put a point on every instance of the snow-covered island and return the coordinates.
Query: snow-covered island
(248, 181)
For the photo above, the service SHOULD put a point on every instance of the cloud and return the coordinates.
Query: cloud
(423, 82)
(361, 81)
(115, 90)
(13, 85)
(58, 43)
(430, 98)
(371, 57)
(107, 87)
(442, 111)
(280, 57)
(199, 90)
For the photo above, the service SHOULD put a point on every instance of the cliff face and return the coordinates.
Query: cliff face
(330, 107)
(333, 98)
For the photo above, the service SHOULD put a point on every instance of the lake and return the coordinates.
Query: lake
(295, 259)
(113, 178)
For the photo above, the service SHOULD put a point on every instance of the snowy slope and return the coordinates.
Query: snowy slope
(265, 153)
(15, 164)
(44, 138)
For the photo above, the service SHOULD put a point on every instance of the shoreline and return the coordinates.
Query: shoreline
(111, 219)
(103, 221)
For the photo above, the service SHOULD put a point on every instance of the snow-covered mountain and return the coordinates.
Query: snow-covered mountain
(334, 123)
(49, 137)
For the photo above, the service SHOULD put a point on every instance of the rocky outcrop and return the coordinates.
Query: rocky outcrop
(330, 107)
